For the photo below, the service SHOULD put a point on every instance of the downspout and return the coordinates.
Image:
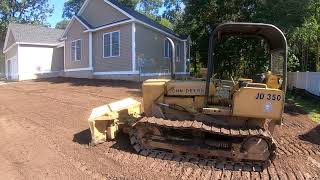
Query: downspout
(133, 47)
(90, 51)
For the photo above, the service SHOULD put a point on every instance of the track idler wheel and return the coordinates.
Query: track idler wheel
(256, 148)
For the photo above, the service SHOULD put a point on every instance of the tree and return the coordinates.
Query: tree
(23, 11)
(199, 17)
(173, 10)
(71, 7)
(286, 14)
(149, 6)
(129, 3)
(307, 38)
(163, 21)
(62, 24)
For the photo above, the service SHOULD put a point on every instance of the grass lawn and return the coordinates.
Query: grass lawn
(307, 103)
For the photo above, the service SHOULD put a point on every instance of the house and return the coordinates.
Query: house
(108, 40)
(119, 43)
(32, 52)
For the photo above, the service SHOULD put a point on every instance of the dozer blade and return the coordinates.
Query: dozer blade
(104, 121)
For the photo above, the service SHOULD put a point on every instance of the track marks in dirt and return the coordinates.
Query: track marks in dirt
(291, 146)
(52, 113)
(183, 167)
(37, 156)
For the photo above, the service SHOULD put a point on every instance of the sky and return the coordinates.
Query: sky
(57, 13)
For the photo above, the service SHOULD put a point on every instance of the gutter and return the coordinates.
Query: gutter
(37, 44)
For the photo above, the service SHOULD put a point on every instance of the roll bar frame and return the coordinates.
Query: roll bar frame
(265, 31)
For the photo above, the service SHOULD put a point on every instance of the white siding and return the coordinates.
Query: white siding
(34, 61)
(11, 59)
(12, 68)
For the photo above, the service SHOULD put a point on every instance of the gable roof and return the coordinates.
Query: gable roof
(32, 34)
(82, 21)
(131, 13)
(35, 34)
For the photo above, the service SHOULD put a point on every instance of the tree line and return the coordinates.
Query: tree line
(299, 20)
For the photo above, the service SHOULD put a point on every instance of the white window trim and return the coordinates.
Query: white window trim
(164, 49)
(75, 51)
(106, 57)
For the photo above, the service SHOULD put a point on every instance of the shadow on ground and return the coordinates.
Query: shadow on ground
(92, 82)
(312, 136)
(83, 137)
(294, 110)
(120, 143)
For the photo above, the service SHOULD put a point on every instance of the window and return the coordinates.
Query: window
(111, 44)
(76, 50)
(178, 51)
(167, 49)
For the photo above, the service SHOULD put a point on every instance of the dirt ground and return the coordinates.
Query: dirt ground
(44, 135)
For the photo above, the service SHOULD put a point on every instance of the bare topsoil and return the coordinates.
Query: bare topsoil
(44, 135)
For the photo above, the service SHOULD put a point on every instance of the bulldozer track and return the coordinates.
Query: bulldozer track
(253, 166)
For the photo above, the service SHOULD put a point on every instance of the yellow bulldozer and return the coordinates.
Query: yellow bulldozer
(228, 119)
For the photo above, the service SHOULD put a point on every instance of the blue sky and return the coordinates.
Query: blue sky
(57, 13)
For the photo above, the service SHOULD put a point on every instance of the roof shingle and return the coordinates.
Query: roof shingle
(27, 33)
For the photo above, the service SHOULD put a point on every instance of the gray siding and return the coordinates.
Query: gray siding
(57, 59)
(121, 63)
(130, 77)
(76, 32)
(78, 74)
(150, 51)
(99, 13)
